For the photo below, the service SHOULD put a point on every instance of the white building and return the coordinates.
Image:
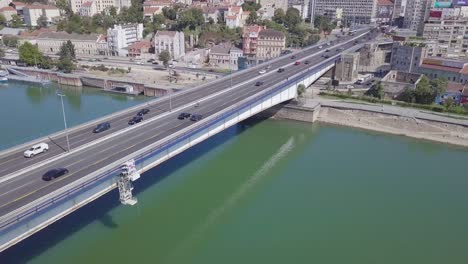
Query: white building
(354, 11)
(233, 17)
(101, 5)
(7, 12)
(121, 36)
(32, 12)
(85, 44)
(88, 9)
(4, 3)
(172, 41)
(415, 14)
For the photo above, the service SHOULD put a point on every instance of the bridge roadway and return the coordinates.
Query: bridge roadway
(28, 186)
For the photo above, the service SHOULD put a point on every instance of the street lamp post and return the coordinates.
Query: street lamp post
(65, 121)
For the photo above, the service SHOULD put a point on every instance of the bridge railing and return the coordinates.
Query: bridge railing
(5, 224)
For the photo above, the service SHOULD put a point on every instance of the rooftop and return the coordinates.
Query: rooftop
(140, 44)
(66, 36)
(220, 49)
(7, 8)
(385, 3)
(87, 4)
(165, 33)
(271, 33)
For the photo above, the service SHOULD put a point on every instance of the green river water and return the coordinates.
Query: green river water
(277, 192)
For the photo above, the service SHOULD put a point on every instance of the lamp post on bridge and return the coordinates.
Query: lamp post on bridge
(65, 121)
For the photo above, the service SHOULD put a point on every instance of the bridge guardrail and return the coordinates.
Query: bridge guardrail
(163, 146)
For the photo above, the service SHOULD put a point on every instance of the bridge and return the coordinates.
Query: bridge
(29, 204)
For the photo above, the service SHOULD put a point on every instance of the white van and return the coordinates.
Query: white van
(36, 149)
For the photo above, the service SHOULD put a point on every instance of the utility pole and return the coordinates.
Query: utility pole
(65, 121)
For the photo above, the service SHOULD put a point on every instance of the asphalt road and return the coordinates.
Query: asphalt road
(29, 186)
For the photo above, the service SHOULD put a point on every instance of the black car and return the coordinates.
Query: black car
(143, 112)
(326, 56)
(258, 83)
(306, 62)
(327, 50)
(293, 57)
(196, 117)
(280, 70)
(182, 116)
(54, 173)
(135, 119)
(101, 127)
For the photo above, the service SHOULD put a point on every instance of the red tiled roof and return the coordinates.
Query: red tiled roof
(454, 87)
(18, 3)
(140, 44)
(165, 33)
(8, 8)
(464, 70)
(87, 4)
(151, 10)
(440, 68)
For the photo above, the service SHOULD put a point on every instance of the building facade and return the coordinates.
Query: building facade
(416, 12)
(355, 11)
(101, 5)
(407, 57)
(88, 9)
(384, 13)
(448, 29)
(89, 44)
(140, 49)
(121, 36)
(172, 41)
(250, 39)
(270, 44)
(347, 67)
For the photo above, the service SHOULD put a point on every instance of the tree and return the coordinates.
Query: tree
(426, 91)
(165, 57)
(300, 90)
(66, 65)
(159, 19)
(252, 19)
(16, 21)
(211, 21)
(2, 53)
(10, 41)
(63, 5)
(67, 51)
(279, 16)
(190, 19)
(376, 91)
(30, 54)
(221, 20)
(42, 21)
(251, 6)
(169, 13)
(113, 11)
(3, 20)
(292, 18)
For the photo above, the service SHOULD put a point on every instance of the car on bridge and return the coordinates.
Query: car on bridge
(135, 119)
(36, 149)
(196, 117)
(297, 63)
(183, 116)
(293, 57)
(262, 71)
(101, 127)
(306, 62)
(280, 70)
(259, 83)
(54, 173)
(143, 112)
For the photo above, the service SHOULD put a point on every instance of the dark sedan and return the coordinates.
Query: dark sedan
(101, 127)
(135, 119)
(143, 112)
(280, 70)
(196, 117)
(259, 83)
(54, 173)
(183, 116)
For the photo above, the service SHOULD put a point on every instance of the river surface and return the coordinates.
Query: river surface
(31, 111)
(277, 192)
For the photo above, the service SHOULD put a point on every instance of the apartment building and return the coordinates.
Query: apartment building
(355, 11)
(121, 36)
(448, 28)
(172, 41)
(407, 57)
(416, 12)
(7, 12)
(270, 44)
(250, 36)
(88, 9)
(101, 5)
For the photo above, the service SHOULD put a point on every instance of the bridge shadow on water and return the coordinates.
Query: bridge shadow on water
(99, 209)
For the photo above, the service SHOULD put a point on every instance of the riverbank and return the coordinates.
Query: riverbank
(398, 125)
(386, 119)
